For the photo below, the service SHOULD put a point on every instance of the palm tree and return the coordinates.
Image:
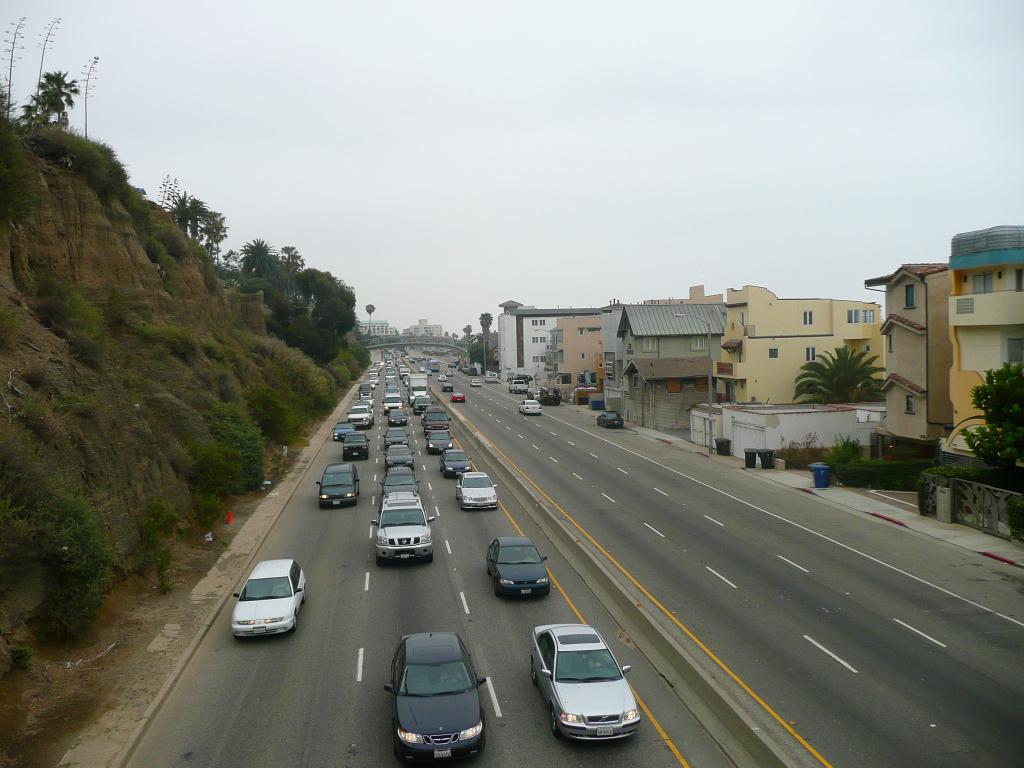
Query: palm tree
(842, 376)
(259, 259)
(370, 309)
(56, 95)
(485, 326)
(292, 262)
(467, 332)
(213, 230)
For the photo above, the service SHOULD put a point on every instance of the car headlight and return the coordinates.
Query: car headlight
(569, 717)
(542, 580)
(410, 738)
(350, 494)
(246, 622)
(425, 539)
(632, 714)
(470, 733)
(505, 581)
(273, 621)
(382, 539)
(324, 496)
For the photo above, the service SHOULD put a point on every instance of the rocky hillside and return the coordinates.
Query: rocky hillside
(135, 393)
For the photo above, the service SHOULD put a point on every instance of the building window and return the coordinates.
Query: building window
(580, 331)
(888, 342)
(909, 296)
(809, 354)
(543, 322)
(773, 353)
(649, 344)
(743, 318)
(1018, 284)
(853, 315)
(808, 317)
(1015, 350)
(910, 404)
(982, 282)
(698, 343)
(869, 315)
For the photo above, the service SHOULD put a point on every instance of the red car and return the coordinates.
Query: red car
(457, 397)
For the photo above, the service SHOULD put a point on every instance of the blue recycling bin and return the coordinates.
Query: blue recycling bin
(821, 473)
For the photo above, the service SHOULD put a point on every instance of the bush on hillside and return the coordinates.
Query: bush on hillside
(216, 468)
(94, 161)
(275, 415)
(229, 425)
(71, 316)
(179, 340)
(17, 193)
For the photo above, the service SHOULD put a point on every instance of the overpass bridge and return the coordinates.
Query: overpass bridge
(385, 342)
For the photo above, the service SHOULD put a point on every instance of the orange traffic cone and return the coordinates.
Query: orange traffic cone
(231, 517)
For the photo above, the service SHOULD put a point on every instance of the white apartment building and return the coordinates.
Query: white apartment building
(377, 328)
(423, 328)
(524, 334)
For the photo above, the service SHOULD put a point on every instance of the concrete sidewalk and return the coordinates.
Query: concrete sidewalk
(869, 503)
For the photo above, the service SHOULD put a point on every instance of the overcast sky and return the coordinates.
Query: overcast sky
(442, 157)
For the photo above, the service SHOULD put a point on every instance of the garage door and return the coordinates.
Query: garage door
(746, 436)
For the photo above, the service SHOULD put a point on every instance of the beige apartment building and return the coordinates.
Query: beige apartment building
(576, 351)
(768, 339)
(918, 358)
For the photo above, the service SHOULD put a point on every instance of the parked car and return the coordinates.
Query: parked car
(355, 446)
(529, 408)
(437, 712)
(474, 490)
(454, 462)
(398, 417)
(399, 456)
(403, 529)
(457, 397)
(439, 440)
(583, 686)
(549, 396)
(395, 436)
(398, 479)
(269, 602)
(610, 420)
(517, 567)
(341, 429)
(475, 383)
(339, 485)
(360, 416)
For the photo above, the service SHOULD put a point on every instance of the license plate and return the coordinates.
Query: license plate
(442, 753)
(404, 555)
(336, 502)
(525, 591)
(259, 630)
(605, 730)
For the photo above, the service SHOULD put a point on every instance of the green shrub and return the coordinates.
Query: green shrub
(799, 454)
(887, 475)
(17, 185)
(229, 425)
(206, 509)
(179, 340)
(277, 419)
(115, 311)
(93, 161)
(73, 317)
(158, 520)
(1015, 517)
(216, 468)
(844, 451)
(21, 656)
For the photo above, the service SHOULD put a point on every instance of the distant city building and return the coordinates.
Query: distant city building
(423, 328)
(524, 336)
(377, 328)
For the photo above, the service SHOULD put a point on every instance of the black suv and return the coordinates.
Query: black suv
(339, 485)
(447, 386)
(399, 456)
(395, 436)
(355, 446)
(397, 417)
(436, 712)
(398, 479)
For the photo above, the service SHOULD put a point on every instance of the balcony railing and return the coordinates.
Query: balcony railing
(727, 370)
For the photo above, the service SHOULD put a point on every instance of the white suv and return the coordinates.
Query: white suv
(403, 529)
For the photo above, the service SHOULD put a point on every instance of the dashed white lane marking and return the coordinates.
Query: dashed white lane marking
(576, 476)
(622, 470)
(465, 606)
(359, 666)
(371, 527)
(447, 546)
(424, 466)
(437, 512)
(821, 647)
(715, 521)
(535, 446)
(509, 428)
(721, 577)
(520, 436)
(918, 631)
(498, 421)
(570, 442)
(494, 699)
(552, 433)
(608, 497)
(787, 560)
(376, 459)
(553, 459)
(429, 486)
(661, 491)
(595, 455)
(373, 501)
(655, 530)
(366, 582)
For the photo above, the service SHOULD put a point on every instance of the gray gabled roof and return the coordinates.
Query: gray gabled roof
(672, 319)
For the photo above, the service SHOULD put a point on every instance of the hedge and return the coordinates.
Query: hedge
(887, 475)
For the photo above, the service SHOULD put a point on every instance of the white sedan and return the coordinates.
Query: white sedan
(475, 383)
(270, 601)
(529, 408)
(442, 377)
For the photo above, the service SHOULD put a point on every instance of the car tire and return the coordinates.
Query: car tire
(497, 589)
(295, 624)
(429, 558)
(554, 724)
(380, 560)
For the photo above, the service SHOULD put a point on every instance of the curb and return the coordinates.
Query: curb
(744, 741)
(1002, 559)
(160, 698)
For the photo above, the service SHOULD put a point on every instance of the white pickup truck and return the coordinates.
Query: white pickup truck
(518, 387)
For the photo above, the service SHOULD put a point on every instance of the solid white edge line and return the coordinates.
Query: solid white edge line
(661, 491)
(608, 497)
(576, 476)
(465, 605)
(918, 631)
(822, 648)
(494, 699)
(622, 470)
(716, 522)
(655, 530)
(448, 546)
(366, 582)
(787, 560)
(359, 666)
(721, 577)
(799, 526)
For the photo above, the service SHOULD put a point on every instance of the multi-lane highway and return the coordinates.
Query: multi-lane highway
(315, 697)
(863, 644)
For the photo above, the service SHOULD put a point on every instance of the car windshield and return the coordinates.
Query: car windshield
(455, 456)
(399, 450)
(612, 414)
(266, 589)
(586, 666)
(391, 434)
(337, 478)
(435, 416)
(360, 409)
(410, 516)
(435, 679)
(518, 554)
(355, 438)
(422, 401)
(392, 481)
(476, 482)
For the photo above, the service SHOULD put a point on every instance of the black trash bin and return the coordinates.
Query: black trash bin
(750, 457)
(722, 446)
(767, 457)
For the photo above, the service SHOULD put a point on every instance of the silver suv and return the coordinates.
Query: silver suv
(582, 683)
(403, 529)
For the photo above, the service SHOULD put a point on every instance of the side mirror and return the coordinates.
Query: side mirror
(431, 519)
(316, 482)
(481, 681)
(543, 558)
(373, 522)
(389, 687)
(626, 668)
(495, 486)
(298, 589)
(546, 673)
(234, 594)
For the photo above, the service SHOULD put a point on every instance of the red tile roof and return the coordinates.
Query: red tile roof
(918, 270)
(904, 321)
(907, 384)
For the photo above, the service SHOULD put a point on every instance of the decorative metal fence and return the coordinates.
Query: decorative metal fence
(975, 504)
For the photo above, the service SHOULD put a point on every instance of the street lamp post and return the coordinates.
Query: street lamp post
(711, 367)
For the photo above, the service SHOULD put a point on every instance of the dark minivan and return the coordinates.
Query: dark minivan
(355, 446)
(339, 485)
(434, 420)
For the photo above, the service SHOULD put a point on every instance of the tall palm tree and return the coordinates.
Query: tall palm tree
(842, 376)
(485, 326)
(259, 259)
(467, 332)
(213, 230)
(292, 263)
(370, 309)
(56, 95)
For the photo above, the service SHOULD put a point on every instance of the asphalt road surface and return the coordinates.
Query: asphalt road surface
(876, 646)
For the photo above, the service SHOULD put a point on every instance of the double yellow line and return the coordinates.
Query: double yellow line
(668, 614)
